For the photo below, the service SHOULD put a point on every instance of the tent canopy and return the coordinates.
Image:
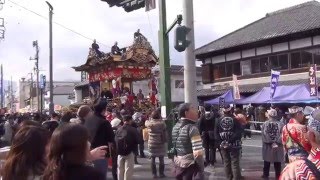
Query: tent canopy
(228, 98)
(284, 94)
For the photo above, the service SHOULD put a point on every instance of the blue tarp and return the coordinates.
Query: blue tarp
(284, 94)
(228, 98)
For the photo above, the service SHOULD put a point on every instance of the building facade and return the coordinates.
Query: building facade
(287, 40)
(28, 98)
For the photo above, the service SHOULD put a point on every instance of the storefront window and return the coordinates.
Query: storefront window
(219, 71)
(306, 59)
(255, 66)
(274, 63)
(233, 68)
(246, 67)
(264, 64)
(295, 60)
(283, 61)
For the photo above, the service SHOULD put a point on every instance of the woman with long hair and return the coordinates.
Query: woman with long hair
(26, 159)
(69, 151)
(156, 142)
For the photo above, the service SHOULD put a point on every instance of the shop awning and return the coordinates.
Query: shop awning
(284, 94)
(228, 98)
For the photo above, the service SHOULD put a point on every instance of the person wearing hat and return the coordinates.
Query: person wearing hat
(228, 132)
(294, 138)
(309, 167)
(272, 148)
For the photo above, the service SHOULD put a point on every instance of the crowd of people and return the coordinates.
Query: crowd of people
(80, 146)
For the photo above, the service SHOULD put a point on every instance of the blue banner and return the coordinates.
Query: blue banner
(274, 82)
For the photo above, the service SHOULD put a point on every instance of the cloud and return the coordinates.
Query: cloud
(95, 19)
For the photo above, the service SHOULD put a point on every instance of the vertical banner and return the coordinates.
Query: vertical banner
(313, 80)
(236, 91)
(150, 5)
(274, 82)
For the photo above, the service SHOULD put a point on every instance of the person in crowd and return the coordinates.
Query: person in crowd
(116, 123)
(139, 120)
(68, 154)
(8, 132)
(27, 156)
(84, 112)
(106, 94)
(66, 117)
(206, 130)
(272, 148)
(126, 139)
(100, 132)
(156, 142)
(115, 50)
(140, 95)
(187, 145)
(53, 123)
(294, 138)
(228, 133)
(95, 47)
(307, 168)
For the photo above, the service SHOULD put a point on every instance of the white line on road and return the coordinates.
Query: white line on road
(252, 146)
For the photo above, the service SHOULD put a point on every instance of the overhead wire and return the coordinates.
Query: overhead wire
(61, 25)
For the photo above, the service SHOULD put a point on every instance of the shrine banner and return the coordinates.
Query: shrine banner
(274, 82)
(236, 91)
(313, 80)
(134, 73)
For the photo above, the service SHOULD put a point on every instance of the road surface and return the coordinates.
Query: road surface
(251, 164)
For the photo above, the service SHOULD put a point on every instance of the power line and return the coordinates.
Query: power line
(61, 25)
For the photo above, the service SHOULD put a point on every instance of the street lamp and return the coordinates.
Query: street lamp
(51, 105)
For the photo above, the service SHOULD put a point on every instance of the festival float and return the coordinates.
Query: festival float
(110, 75)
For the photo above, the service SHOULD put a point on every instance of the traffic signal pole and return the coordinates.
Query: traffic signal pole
(190, 91)
(164, 63)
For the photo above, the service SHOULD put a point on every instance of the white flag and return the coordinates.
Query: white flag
(150, 5)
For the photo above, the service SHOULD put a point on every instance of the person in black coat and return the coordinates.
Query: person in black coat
(100, 131)
(206, 130)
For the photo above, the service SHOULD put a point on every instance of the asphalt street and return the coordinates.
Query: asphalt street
(251, 164)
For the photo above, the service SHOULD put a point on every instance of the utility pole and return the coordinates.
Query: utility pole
(190, 91)
(36, 58)
(51, 104)
(11, 96)
(31, 90)
(164, 62)
(1, 89)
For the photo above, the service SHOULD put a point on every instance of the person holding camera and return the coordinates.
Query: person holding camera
(187, 145)
(228, 133)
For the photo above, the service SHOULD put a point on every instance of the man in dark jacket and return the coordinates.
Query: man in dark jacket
(100, 131)
(206, 129)
(127, 139)
(228, 132)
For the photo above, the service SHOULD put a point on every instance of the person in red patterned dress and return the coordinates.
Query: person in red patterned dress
(308, 169)
(294, 135)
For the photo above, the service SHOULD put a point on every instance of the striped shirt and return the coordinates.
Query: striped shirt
(188, 143)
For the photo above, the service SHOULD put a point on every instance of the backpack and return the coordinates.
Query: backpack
(122, 142)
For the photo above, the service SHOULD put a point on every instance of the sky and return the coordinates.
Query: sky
(85, 20)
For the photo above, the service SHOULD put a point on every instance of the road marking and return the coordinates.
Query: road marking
(252, 146)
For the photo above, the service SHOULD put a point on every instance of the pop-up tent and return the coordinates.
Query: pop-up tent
(284, 94)
(228, 98)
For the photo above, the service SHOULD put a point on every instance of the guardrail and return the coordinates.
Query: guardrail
(254, 131)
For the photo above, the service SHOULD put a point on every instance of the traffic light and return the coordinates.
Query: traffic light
(180, 41)
(134, 5)
(112, 2)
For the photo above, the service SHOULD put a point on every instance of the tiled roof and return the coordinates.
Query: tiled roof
(252, 88)
(282, 23)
